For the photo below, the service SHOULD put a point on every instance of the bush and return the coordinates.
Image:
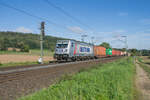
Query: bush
(0, 64)
(14, 49)
(25, 48)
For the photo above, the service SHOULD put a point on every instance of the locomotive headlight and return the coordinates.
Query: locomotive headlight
(66, 50)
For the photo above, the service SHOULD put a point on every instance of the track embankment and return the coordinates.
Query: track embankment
(15, 83)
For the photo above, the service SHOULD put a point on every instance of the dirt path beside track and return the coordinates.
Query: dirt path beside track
(142, 83)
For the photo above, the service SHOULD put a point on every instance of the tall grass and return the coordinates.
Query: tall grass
(144, 66)
(140, 59)
(112, 81)
(38, 52)
(12, 64)
(0, 64)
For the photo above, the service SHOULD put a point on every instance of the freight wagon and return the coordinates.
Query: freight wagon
(113, 52)
(99, 51)
(123, 53)
(108, 52)
(73, 50)
(116, 52)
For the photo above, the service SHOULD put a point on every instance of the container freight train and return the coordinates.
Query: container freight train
(76, 50)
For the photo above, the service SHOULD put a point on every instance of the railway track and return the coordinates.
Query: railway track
(20, 73)
(16, 74)
(15, 83)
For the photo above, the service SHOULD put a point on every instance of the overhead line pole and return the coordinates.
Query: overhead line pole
(92, 39)
(82, 37)
(126, 45)
(41, 41)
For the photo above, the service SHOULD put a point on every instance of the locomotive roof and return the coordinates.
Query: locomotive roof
(75, 41)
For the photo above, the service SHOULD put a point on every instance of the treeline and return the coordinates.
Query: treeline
(25, 41)
(135, 52)
(107, 45)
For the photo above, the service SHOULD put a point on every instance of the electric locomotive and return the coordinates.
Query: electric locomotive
(73, 50)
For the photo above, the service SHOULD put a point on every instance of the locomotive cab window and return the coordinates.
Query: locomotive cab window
(61, 45)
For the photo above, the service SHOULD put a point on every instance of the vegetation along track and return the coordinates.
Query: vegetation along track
(15, 83)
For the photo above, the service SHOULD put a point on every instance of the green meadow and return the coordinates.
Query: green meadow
(111, 81)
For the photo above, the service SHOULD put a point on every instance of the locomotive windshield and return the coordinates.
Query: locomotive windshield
(61, 45)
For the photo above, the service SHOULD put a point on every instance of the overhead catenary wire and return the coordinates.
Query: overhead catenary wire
(38, 17)
(69, 15)
(66, 13)
(31, 15)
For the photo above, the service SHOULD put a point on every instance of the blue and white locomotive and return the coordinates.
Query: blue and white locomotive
(73, 50)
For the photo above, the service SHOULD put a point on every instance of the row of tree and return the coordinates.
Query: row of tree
(133, 52)
(25, 41)
(107, 46)
(6, 43)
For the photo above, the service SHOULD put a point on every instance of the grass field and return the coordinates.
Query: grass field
(11, 58)
(111, 81)
(31, 52)
(12, 64)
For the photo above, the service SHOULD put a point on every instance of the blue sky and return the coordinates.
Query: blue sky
(108, 20)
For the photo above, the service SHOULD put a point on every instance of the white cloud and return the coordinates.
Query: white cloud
(113, 32)
(76, 29)
(139, 39)
(120, 31)
(113, 37)
(105, 33)
(123, 14)
(23, 29)
(145, 21)
(147, 31)
(144, 32)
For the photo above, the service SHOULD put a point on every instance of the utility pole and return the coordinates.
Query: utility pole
(126, 45)
(92, 39)
(82, 37)
(41, 41)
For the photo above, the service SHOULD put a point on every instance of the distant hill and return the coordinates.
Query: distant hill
(15, 39)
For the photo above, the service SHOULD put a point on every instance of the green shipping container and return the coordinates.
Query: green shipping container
(108, 52)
